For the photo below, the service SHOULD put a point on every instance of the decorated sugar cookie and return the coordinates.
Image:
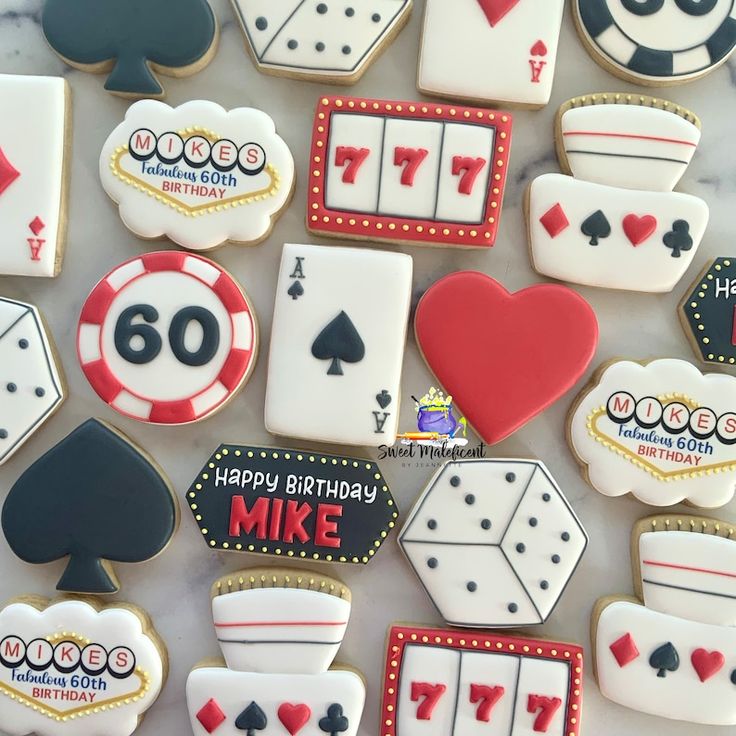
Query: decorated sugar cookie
(494, 542)
(35, 142)
(71, 666)
(32, 384)
(657, 42)
(337, 344)
(500, 51)
(95, 499)
(167, 338)
(132, 40)
(440, 681)
(407, 172)
(197, 174)
(279, 631)
(662, 431)
(326, 41)
(292, 503)
(502, 372)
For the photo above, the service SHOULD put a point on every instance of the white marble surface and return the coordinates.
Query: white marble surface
(174, 587)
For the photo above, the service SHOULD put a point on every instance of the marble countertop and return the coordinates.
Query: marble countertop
(174, 587)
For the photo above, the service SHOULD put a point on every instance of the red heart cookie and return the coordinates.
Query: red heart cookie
(504, 357)
(638, 229)
(706, 663)
(294, 716)
(495, 10)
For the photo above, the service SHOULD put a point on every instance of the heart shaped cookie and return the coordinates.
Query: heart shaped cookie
(504, 357)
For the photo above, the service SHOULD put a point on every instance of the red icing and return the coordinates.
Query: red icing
(8, 173)
(706, 663)
(546, 709)
(624, 650)
(733, 328)
(486, 696)
(36, 225)
(429, 694)
(210, 715)
(411, 159)
(469, 168)
(294, 717)
(354, 158)
(495, 10)
(539, 49)
(35, 244)
(638, 229)
(504, 357)
(537, 69)
(555, 221)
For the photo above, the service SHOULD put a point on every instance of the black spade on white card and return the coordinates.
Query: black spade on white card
(252, 719)
(596, 227)
(339, 342)
(665, 659)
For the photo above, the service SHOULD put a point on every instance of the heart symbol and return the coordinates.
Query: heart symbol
(706, 663)
(504, 357)
(294, 717)
(639, 229)
(539, 49)
(383, 399)
(495, 10)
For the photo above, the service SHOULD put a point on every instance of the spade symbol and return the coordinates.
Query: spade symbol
(384, 399)
(596, 226)
(678, 239)
(665, 659)
(334, 722)
(251, 719)
(296, 290)
(339, 340)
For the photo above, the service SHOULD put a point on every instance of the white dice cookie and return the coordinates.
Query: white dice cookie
(662, 431)
(333, 42)
(35, 138)
(337, 344)
(494, 542)
(31, 378)
(197, 174)
(69, 669)
(489, 51)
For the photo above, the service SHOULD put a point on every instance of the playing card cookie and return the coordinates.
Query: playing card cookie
(322, 41)
(337, 344)
(502, 372)
(662, 431)
(408, 172)
(94, 498)
(494, 542)
(35, 142)
(514, 41)
(673, 656)
(167, 338)
(74, 667)
(279, 631)
(657, 42)
(31, 376)
(292, 503)
(439, 682)
(132, 40)
(197, 174)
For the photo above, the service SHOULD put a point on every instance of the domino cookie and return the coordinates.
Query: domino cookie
(414, 173)
(499, 51)
(440, 681)
(662, 431)
(323, 41)
(35, 135)
(657, 42)
(708, 313)
(32, 385)
(292, 503)
(493, 542)
(279, 631)
(197, 174)
(72, 667)
(616, 223)
(167, 338)
(337, 344)
(493, 367)
(132, 40)
(673, 656)
(94, 498)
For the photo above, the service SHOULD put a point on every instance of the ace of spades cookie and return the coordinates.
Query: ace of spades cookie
(337, 344)
(33, 152)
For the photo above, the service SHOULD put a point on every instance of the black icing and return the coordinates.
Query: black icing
(251, 719)
(339, 342)
(665, 659)
(335, 721)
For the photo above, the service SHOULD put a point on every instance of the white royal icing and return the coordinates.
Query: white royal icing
(699, 690)
(511, 59)
(197, 174)
(627, 145)
(652, 240)
(32, 174)
(318, 39)
(672, 438)
(373, 289)
(494, 542)
(689, 574)
(90, 672)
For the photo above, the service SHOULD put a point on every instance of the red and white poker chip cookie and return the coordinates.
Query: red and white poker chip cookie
(167, 338)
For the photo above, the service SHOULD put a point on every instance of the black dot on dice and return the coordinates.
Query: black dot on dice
(472, 587)
(350, 12)
(322, 8)
(40, 392)
(565, 536)
(544, 585)
(455, 481)
(556, 559)
(376, 18)
(486, 524)
(513, 608)
(546, 498)
(470, 499)
(533, 521)
(432, 562)
(12, 388)
(432, 524)
(23, 344)
(293, 44)
(3, 434)
(261, 23)
(733, 677)
(346, 50)
(319, 46)
(521, 548)
(510, 477)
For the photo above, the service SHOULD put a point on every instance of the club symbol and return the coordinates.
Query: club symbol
(252, 719)
(334, 722)
(296, 290)
(596, 227)
(665, 659)
(339, 341)
(678, 239)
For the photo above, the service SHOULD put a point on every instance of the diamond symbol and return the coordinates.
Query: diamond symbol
(624, 649)
(211, 715)
(555, 220)
(37, 225)
(8, 174)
